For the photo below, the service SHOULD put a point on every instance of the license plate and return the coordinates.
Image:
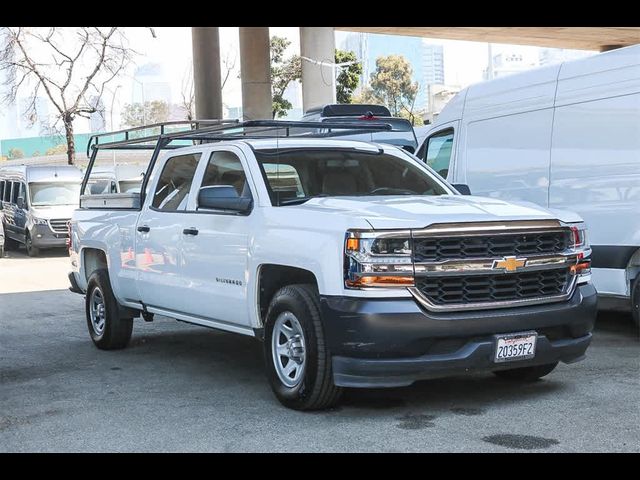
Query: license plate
(515, 346)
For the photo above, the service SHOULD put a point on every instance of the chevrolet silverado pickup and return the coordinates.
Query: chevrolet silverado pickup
(353, 262)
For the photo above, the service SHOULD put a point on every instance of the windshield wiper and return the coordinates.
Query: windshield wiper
(299, 200)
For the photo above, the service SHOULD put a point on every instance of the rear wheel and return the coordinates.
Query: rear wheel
(635, 301)
(297, 360)
(108, 331)
(526, 374)
(31, 250)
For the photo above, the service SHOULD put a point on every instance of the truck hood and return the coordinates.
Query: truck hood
(383, 212)
(55, 211)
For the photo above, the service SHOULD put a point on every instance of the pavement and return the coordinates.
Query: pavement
(179, 388)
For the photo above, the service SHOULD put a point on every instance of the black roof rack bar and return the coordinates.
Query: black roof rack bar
(212, 133)
(94, 139)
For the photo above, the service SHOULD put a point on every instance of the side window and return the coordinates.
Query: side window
(172, 191)
(1, 190)
(14, 192)
(224, 168)
(7, 191)
(439, 148)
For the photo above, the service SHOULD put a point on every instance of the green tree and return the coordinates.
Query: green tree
(391, 84)
(349, 76)
(283, 72)
(135, 115)
(15, 153)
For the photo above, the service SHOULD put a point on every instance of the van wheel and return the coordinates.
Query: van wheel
(31, 250)
(526, 374)
(635, 301)
(108, 331)
(297, 360)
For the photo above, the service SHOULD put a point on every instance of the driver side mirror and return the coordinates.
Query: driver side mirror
(21, 203)
(223, 197)
(463, 188)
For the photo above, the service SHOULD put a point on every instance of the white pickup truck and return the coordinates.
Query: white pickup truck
(353, 262)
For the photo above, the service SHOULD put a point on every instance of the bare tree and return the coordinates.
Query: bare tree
(228, 64)
(71, 65)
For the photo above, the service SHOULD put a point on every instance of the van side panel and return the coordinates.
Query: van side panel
(595, 167)
(595, 171)
(508, 157)
(505, 140)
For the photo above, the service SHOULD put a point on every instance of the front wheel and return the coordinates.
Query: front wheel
(297, 359)
(635, 301)
(31, 250)
(108, 331)
(526, 374)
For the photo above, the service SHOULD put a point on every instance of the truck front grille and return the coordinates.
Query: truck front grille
(436, 249)
(500, 287)
(59, 225)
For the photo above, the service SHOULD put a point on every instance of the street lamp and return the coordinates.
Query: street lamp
(144, 108)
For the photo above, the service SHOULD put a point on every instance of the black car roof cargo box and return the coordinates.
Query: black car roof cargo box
(347, 109)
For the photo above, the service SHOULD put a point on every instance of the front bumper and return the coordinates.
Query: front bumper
(391, 343)
(43, 237)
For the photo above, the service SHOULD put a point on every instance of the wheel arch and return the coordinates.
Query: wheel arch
(271, 277)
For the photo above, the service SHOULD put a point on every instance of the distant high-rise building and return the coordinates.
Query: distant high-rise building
(549, 56)
(433, 71)
(368, 47)
(507, 63)
(97, 122)
(150, 83)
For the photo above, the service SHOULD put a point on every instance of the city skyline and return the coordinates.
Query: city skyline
(463, 63)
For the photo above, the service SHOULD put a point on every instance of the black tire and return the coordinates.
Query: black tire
(31, 250)
(526, 374)
(635, 301)
(315, 390)
(116, 331)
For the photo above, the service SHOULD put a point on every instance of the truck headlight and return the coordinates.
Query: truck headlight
(40, 221)
(381, 259)
(580, 243)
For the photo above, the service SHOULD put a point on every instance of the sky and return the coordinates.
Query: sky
(171, 48)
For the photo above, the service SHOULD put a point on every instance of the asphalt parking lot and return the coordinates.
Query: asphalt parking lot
(179, 387)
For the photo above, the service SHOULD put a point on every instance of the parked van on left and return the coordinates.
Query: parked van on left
(36, 204)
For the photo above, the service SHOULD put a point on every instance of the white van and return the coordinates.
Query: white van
(565, 136)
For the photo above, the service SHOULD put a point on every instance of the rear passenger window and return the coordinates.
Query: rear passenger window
(439, 152)
(1, 190)
(172, 191)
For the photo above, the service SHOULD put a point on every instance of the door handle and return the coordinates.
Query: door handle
(144, 229)
(190, 231)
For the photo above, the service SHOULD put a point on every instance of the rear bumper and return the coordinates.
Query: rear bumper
(390, 343)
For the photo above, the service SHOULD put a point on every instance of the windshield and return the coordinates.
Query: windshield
(58, 193)
(296, 175)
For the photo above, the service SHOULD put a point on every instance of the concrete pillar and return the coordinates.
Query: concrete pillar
(205, 42)
(318, 81)
(255, 71)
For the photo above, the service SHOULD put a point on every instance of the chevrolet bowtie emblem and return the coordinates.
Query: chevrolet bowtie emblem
(510, 264)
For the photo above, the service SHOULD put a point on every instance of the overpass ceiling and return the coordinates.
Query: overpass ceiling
(580, 38)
